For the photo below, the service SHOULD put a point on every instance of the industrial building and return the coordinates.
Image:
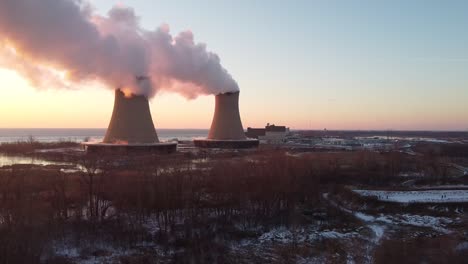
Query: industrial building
(271, 134)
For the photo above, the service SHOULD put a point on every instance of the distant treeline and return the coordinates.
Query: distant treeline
(390, 133)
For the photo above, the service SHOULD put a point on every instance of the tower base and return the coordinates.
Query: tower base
(226, 144)
(125, 149)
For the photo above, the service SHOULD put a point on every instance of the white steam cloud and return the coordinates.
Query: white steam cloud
(60, 43)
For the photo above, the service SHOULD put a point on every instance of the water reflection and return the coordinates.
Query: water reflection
(6, 160)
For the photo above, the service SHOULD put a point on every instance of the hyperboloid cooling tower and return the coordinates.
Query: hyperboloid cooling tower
(226, 128)
(131, 129)
(131, 121)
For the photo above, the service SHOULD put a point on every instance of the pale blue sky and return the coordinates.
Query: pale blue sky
(326, 64)
(370, 56)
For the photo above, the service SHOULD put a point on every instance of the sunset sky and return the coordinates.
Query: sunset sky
(303, 64)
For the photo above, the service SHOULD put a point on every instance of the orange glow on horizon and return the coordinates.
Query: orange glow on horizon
(23, 106)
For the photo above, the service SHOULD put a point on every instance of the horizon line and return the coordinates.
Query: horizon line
(291, 129)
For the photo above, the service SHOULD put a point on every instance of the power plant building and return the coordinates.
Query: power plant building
(270, 134)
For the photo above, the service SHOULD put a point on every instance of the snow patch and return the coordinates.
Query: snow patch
(284, 235)
(429, 196)
(364, 217)
(378, 231)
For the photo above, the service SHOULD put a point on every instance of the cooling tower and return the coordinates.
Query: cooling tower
(226, 128)
(131, 129)
(131, 121)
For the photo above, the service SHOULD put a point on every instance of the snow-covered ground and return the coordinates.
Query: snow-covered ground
(442, 187)
(307, 234)
(436, 223)
(87, 255)
(411, 174)
(428, 196)
(377, 223)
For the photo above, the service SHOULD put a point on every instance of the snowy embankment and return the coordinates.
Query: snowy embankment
(307, 234)
(428, 196)
(91, 254)
(377, 222)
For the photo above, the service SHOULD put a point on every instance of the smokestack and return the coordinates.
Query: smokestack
(226, 122)
(131, 121)
(226, 128)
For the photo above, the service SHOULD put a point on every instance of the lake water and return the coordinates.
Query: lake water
(95, 134)
(10, 160)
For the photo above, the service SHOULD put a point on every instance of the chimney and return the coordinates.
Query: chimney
(226, 124)
(131, 121)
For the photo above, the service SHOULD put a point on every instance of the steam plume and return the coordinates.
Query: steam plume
(62, 43)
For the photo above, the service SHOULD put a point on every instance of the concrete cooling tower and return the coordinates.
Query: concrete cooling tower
(226, 128)
(131, 129)
(131, 121)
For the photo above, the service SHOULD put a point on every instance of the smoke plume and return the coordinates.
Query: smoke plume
(62, 43)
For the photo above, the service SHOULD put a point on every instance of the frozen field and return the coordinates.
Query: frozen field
(430, 196)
